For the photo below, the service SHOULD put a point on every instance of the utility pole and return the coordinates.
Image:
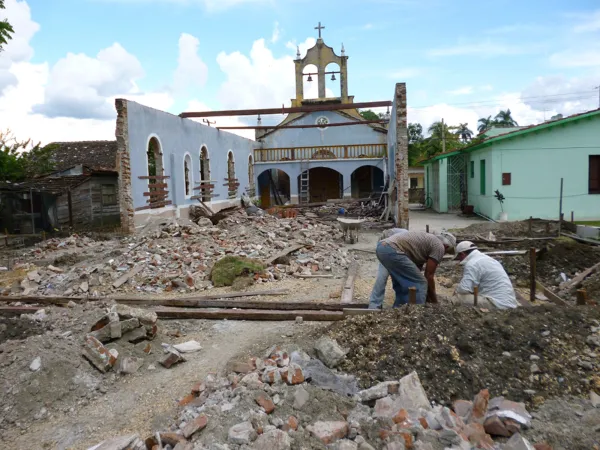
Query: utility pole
(598, 87)
(443, 138)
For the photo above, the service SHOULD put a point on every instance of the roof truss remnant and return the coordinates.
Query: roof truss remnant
(276, 127)
(284, 110)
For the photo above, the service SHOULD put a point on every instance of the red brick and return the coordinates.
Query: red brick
(542, 446)
(423, 422)
(480, 405)
(328, 432)
(187, 400)
(408, 440)
(198, 387)
(291, 424)
(512, 426)
(494, 426)
(265, 401)
(198, 424)
(400, 416)
(476, 435)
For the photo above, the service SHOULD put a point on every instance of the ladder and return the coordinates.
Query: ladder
(304, 182)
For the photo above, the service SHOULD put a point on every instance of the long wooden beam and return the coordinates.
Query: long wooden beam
(284, 110)
(249, 314)
(275, 127)
(242, 304)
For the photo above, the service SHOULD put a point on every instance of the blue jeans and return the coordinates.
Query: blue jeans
(378, 292)
(404, 274)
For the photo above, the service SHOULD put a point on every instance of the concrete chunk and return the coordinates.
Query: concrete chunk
(273, 440)
(378, 391)
(98, 354)
(195, 425)
(242, 433)
(146, 317)
(328, 432)
(518, 442)
(329, 352)
(412, 394)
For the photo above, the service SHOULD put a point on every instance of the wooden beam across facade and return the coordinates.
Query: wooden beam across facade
(284, 110)
(275, 127)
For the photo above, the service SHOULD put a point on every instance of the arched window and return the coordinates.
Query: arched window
(154, 154)
(231, 180)
(187, 175)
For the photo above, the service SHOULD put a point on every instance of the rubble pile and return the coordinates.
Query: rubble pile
(249, 408)
(528, 355)
(177, 256)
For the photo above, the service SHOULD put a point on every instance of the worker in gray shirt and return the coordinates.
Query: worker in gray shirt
(378, 292)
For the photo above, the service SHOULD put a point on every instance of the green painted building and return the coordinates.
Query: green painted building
(526, 166)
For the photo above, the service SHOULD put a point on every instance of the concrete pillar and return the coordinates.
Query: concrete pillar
(299, 81)
(344, 79)
(401, 156)
(347, 184)
(124, 167)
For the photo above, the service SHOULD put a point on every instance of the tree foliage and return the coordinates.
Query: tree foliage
(20, 160)
(502, 119)
(367, 114)
(6, 29)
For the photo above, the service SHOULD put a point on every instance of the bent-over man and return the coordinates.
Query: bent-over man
(378, 292)
(405, 254)
(495, 288)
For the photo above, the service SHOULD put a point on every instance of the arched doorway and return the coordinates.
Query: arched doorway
(205, 174)
(324, 184)
(365, 181)
(273, 188)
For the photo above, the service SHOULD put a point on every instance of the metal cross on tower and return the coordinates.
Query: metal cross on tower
(319, 28)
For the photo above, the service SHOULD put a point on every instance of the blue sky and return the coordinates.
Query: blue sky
(461, 60)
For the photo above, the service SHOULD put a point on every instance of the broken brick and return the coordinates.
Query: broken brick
(98, 354)
(462, 408)
(542, 446)
(494, 426)
(480, 405)
(187, 400)
(195, 425)
(170, 359)
(400, 416)
(328, 432)
(290, 424)
(512, 426)
(293, 374)
(198, 387)
(265, 401)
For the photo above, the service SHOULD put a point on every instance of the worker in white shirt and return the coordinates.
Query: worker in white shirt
(495, 288)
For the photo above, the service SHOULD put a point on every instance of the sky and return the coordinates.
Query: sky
(461, 60)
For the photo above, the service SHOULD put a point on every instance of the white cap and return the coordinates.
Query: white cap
(465, 246)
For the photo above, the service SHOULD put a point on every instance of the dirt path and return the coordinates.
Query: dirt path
(147, 401)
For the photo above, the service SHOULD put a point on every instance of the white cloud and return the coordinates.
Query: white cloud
(81, 87)
(576, 58)
(18, 48)
(481, 49)
(276, 33)
(589, 22)
(209, 5)
(563, 95)
(461, 91)
(191, 70)
(302, 46)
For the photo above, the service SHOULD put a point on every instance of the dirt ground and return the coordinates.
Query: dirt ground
(68, 404)
(527, 354)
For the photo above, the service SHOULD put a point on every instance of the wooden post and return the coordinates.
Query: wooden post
(427, 228)
(475, 295)
(572, 217)
(530, 225)
(70, 201)
(581, 297)
(547, 228)
(532, 270)
(31, 206)
(412, 295)
(560, 212)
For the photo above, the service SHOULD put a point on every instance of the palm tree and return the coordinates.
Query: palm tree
(463, 132)
(485, 123)
(505, 119)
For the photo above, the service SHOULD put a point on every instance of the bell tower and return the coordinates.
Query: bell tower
(321, 55)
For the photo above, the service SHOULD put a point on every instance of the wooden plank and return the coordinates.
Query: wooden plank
(240, 304)
(42, 300)
(204, 186)
(158, 185)
(348, 288)
(359, 311)
(120, 298)
(284, 252)
(249, 314)
(200, 197)
(551, 295)
(18, 310)
(522, 301)
(301, 275)
(155, 193)
(128, 275)
(576, 282)
(154, 177)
